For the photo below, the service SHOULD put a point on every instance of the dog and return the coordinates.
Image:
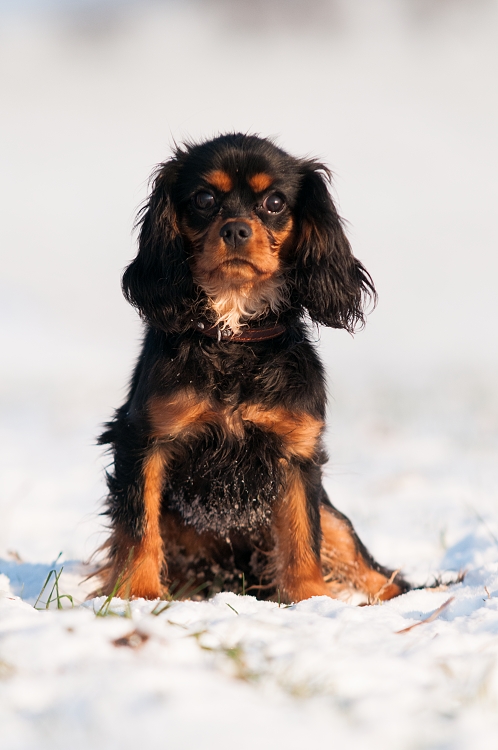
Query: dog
(217, 452)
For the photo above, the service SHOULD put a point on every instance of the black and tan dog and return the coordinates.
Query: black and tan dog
(217, 450)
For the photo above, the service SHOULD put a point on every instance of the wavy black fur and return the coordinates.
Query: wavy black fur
(323, 279)
(220, 485)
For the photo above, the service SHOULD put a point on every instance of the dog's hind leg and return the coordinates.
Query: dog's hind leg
(348, 566)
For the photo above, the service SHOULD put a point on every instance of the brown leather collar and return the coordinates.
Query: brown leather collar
(247, 334)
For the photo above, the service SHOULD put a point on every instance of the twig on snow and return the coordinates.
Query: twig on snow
(432, 617)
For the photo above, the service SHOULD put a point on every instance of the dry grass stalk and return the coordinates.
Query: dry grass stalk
(432, 617)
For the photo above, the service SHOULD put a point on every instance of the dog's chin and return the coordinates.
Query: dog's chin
(238, 292)
(239, 271)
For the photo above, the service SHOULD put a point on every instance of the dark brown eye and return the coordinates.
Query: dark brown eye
(204, 200)
(274, 203)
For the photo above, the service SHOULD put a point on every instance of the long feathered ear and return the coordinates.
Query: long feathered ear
(330, 283)
(159, 282)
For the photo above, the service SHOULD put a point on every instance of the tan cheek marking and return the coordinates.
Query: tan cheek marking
(220, 180)
(298, 571)
(299, 431)
(260, 249)
(281, 240)
(211, 254)
(260, 181)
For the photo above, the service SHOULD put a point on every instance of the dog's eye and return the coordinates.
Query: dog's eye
(274, 203)
(204, 200)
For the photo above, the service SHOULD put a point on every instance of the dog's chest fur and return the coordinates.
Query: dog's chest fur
(228, 439)
(221, 487)
(225, 471)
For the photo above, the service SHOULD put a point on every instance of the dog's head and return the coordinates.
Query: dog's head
(235, 229)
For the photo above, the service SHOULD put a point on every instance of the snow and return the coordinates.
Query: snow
(237, 671)
(401, 101)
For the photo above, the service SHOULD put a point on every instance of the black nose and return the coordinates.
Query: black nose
(235, 233)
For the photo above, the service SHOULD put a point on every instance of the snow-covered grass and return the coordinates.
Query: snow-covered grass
(235, 672)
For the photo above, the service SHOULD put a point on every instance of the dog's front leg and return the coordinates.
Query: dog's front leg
(298, 570)
(136, 559)
(137, 564)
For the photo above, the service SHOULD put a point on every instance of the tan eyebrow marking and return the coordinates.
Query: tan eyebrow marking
(220, 180)
(260, 181)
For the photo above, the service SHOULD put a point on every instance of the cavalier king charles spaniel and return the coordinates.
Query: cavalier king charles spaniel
(217, 453)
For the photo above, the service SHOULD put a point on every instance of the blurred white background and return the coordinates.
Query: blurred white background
(400, 98)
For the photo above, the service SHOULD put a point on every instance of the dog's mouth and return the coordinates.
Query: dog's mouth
(238, 265)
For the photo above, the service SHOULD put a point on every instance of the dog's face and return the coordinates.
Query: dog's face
(236, 211)
(238, 228)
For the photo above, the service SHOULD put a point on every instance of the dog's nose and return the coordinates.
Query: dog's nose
(235, 233)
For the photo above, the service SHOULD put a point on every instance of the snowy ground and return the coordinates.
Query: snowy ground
(238, 672)
(401, 100)
(235, 672)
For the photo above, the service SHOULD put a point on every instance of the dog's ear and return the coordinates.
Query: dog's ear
(329, 282)
(159, 282)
